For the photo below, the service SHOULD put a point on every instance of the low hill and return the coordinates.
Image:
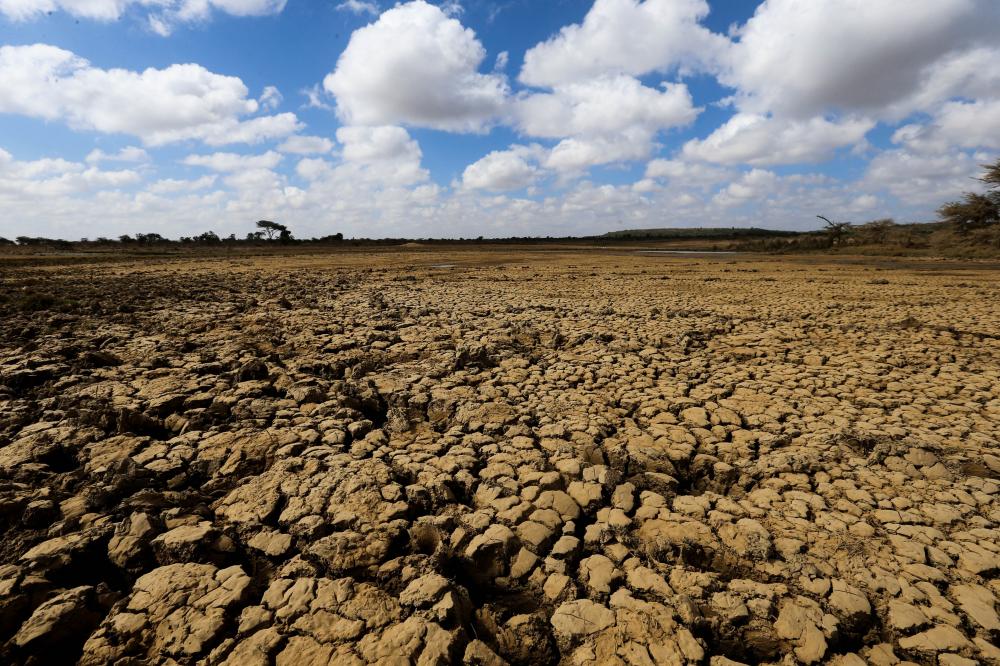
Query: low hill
(696, 233)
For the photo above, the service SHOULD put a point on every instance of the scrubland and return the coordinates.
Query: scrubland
(503, 456)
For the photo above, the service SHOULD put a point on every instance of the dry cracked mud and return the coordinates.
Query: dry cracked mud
(500, 457)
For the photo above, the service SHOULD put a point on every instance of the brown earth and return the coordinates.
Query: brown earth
(504, 456)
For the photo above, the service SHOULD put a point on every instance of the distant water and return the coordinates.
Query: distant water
(685, 252)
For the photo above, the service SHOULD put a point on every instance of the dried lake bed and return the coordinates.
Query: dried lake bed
(500, 456)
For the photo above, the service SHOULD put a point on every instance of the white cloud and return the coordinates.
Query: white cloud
(306, 145)
(386, 154)
(271, 98)
(37, 179)
(802, 58)
(604, 106)
(157, 105)
(754, 184)
(379, 190)
(807, 79)
(502, 170)
(102, 10)
(358, 7)
(625, 37)
(233, 162)
(608, 119)
(688, 175)
(760, 140)
(577, 154)
(372, 144)
(973, 124)
(970, 74)
(416, 66)
(254, 180)
(126, 154)
(452, 7)
(166, 12)
(365, 198)
(174, 185)
(930, 179)
(253, 130)
(864, 202)
(315, 98)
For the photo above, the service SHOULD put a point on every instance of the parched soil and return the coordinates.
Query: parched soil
(436, 457)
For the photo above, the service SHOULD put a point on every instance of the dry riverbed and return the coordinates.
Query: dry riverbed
(500, 457)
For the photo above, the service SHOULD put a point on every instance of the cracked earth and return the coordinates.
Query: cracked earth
(492, 457)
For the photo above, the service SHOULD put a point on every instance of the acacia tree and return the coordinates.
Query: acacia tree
(976, 211)
(272, 229)
(150, 238)
(835, 231)
(877, 231)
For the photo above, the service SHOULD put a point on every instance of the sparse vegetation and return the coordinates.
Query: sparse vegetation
(976, 211)
(877, 231)
(696, 233)
(836, 232)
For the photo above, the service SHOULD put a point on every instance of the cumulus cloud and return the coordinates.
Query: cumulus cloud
(604, 106)
(126, 154)
(379, 182)
(503, 170)
(159, 106)
(966, 124)
(362, 198)
(754, 184)
(930, 179)
(378, 178)
(748, 138)
(577, 154)
(625, 37)
(174, 185)
(164, 14)
(252, 130)
(230, 162)
(608, 119)
(30, 180)
(387, 154)
(806, 78)
(253, 180)
(417, 66)
(882, 59)
(688, 175)
(300, 144)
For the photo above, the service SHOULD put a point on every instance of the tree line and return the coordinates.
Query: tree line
(267, 232)
(974, 221)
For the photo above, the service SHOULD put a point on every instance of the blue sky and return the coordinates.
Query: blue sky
(488, 118)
